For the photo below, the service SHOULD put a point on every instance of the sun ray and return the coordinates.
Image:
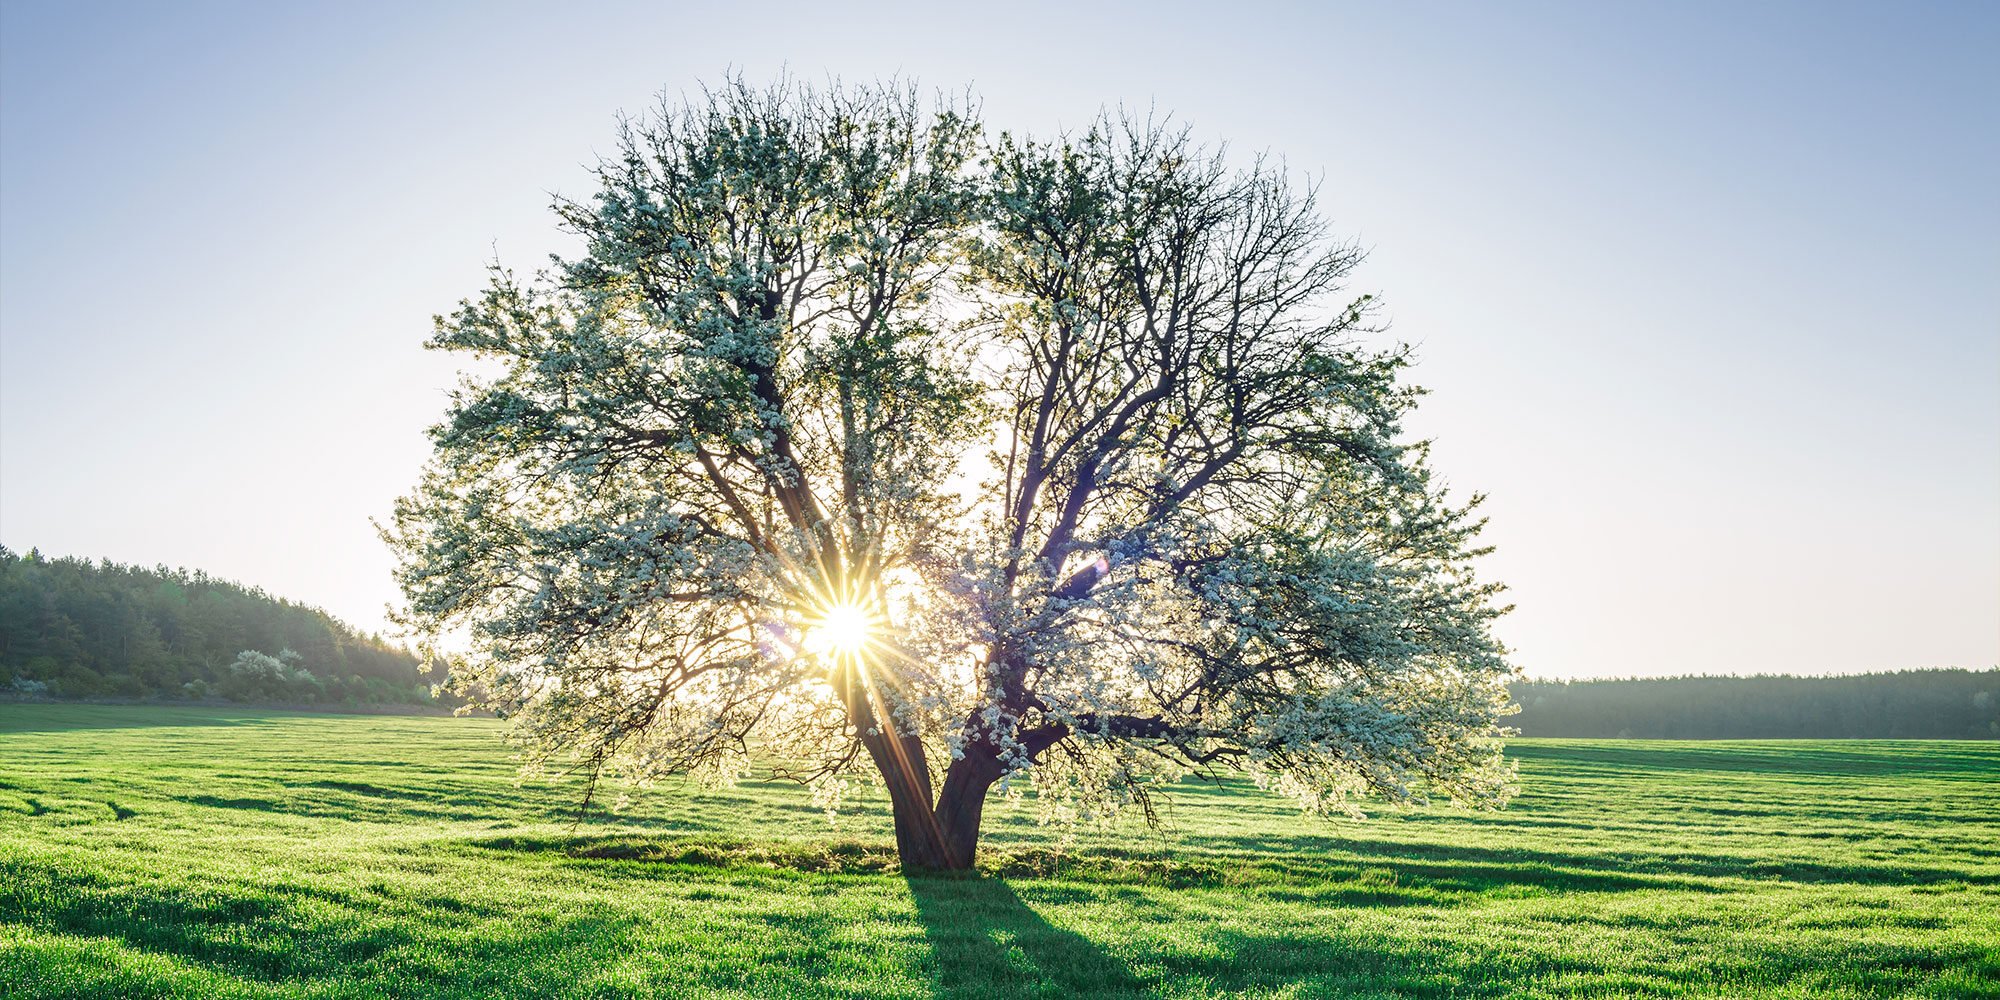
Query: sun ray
(843, 629)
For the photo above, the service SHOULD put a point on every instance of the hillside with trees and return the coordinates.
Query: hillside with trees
(72, 628)
(1906, 704)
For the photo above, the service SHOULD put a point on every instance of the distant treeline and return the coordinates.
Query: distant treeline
(1908, 704)
(71, 628)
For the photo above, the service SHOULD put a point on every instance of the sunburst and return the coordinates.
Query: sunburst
(841, 628)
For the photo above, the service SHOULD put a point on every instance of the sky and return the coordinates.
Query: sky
(1707, 296)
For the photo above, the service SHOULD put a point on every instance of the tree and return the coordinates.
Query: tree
(881, 446)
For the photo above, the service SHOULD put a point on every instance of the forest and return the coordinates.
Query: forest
(72, 628)
(1906, 704)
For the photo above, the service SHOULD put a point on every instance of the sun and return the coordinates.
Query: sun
(841, 629)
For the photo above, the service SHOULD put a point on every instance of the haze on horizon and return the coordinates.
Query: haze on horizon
(1708, 298)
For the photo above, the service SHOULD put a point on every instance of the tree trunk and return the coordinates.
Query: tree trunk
(920, 841)
(961, 803)
(899, 759)
(947, 836)
(944, 837)
(940, 834)
(920, 844)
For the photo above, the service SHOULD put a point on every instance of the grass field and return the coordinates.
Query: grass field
(217, 853)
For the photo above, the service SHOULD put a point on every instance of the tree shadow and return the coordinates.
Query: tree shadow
(381, 941)
(988, 943)
(1479, 869)
(1832, 758)
(27, 718)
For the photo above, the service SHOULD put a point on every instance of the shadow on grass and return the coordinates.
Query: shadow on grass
(397, 940)
(327, 941)
(982, 937)
(27, 717)
(365, 802)
(1832, 758)
(1478, 868)
(220, 802)
(1274, 867)
(988, 943)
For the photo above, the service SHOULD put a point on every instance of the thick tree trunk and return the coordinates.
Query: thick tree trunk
(961, 803)
(899, 758)
(944, 837)
(940, 834)
(920, 844)
(920, 841)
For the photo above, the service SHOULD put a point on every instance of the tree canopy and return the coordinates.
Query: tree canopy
(879, 445)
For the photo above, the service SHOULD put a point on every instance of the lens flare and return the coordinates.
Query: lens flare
(842, 629)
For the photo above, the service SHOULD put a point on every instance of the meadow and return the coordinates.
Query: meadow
(183, 852)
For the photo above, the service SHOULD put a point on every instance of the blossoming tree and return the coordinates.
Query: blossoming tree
(871, 443)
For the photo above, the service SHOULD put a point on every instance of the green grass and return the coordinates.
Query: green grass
(214, 853)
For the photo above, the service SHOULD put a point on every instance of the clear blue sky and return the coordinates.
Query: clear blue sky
(1708, 296)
